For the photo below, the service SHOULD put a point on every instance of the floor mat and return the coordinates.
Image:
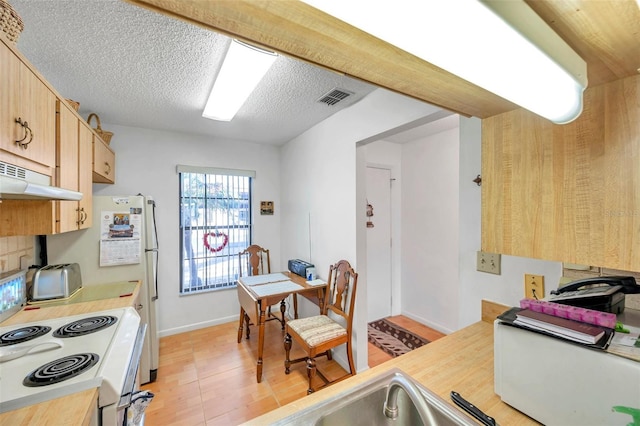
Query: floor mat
(392, 338)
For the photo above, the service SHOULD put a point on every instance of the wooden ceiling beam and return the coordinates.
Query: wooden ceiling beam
(606, 33)
(298, 30)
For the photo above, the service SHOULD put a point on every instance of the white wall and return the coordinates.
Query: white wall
(430, 229)
(323, 210)
(146, 163)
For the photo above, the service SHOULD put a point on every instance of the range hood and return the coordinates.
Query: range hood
(17, 183)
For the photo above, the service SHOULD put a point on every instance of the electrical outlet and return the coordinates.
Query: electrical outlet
(533, 286)
(488, 262)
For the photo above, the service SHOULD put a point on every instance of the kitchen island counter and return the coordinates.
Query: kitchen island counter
(461, 361)
(77, 408)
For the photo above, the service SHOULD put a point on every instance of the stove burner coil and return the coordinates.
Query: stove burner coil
(60, 369)
(85, 326)
(23, 334)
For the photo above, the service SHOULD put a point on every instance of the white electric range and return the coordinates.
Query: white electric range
(98, 349)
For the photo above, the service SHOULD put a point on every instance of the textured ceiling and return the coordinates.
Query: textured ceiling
(135, 67)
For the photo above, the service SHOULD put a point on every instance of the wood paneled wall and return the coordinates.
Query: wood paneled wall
(566, 192)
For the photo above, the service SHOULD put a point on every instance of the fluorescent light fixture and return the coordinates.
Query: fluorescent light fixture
(242, 69)
(502, 46)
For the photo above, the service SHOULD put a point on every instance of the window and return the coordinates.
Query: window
(215, 224)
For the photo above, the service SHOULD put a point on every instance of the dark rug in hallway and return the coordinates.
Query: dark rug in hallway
(392, 338)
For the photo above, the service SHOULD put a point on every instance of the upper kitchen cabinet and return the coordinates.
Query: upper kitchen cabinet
(74, 169)
(104, 162)
(27, 114)
(566, 192)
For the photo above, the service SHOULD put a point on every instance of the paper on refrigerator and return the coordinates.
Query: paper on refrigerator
(120, 237)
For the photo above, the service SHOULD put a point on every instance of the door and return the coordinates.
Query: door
(379, 283)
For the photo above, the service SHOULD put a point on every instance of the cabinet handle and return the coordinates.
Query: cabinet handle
(82, 216)
(27, 132)
(107, 169)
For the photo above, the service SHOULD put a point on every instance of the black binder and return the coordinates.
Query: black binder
(508, 318)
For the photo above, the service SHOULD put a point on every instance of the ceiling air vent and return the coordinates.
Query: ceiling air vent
(334, 96)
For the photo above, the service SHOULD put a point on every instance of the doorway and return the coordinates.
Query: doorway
(379, 271)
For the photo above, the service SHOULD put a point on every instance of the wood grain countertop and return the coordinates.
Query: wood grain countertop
(461, 361)
(76, 408)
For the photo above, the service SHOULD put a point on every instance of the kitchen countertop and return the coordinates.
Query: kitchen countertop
(64, 307)
(92, 293)
(76, 408)
(461, 361)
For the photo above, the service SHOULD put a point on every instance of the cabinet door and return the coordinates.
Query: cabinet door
(85, 168)
(569, 192)
(104, 162)
(67, 167)
(24, 96)
(9, 76)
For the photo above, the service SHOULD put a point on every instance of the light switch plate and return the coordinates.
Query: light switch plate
(488, 262)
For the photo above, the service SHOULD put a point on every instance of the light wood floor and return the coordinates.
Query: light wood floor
(206, 378)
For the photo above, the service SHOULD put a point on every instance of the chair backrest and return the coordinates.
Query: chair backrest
(340, 297)
(254, 260)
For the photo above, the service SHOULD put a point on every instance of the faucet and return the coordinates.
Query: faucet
(391, 401)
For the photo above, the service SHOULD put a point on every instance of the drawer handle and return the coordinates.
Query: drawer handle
(108, 168)
(27, 132)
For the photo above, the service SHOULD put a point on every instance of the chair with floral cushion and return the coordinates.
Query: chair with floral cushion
(319, 334)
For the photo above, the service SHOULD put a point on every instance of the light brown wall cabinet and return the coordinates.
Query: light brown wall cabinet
(566, 192)
(73, 171)
(104, 162)
(74, 167)
(62, 147)
(26, 99)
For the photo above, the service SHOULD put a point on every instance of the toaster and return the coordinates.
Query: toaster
(56, 281)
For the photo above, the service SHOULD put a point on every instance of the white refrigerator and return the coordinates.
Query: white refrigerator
(121, 245)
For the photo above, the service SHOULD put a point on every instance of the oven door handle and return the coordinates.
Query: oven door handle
(132, 372)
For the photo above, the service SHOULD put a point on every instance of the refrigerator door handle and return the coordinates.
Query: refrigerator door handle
(154, 252)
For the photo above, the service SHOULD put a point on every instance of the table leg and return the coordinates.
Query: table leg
(295, 306)
(247, 321)
(241, 324)
(260, 343)
(321, 293)
(283, 308)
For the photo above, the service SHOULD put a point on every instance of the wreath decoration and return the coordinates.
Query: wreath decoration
(207, 244)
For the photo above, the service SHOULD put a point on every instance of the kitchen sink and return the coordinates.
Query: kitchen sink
(365, 405)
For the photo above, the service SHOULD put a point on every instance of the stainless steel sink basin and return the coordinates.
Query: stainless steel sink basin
(365, 405)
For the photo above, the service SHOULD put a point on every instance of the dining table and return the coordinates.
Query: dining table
(257, 292)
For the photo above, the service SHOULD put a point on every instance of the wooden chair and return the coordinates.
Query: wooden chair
(255, 260)
(319, 334)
